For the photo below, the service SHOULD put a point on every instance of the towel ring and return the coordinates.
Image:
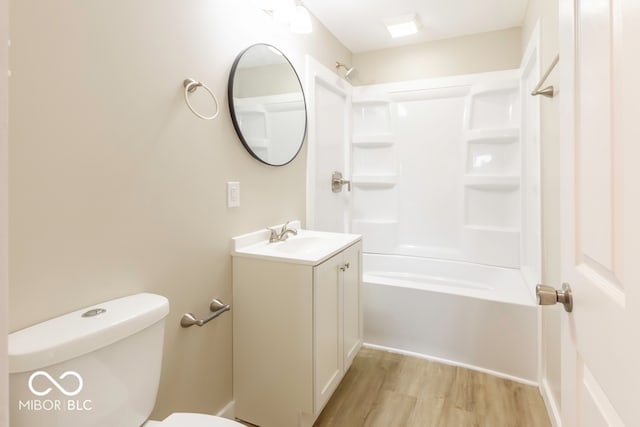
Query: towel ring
(190, 86)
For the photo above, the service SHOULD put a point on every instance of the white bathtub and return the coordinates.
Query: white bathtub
(465, 314)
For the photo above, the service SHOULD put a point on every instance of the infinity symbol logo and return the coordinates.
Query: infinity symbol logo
(55, 383)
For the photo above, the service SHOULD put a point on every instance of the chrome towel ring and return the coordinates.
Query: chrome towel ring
(190, 86)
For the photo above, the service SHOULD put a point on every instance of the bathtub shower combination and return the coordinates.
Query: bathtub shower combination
(444, 189)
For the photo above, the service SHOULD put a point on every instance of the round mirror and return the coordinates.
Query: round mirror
(267, 104)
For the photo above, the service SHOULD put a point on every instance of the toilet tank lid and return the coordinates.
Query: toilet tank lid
(72, 335)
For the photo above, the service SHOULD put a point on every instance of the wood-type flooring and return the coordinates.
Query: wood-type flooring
(385, 389)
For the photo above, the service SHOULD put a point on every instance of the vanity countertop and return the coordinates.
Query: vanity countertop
(308, 247)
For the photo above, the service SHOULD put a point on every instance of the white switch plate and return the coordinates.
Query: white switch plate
(233, 194)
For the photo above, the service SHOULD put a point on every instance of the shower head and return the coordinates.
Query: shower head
(351, 71)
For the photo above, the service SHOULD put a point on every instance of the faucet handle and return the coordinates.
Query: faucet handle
(274, 236)
(284, 227)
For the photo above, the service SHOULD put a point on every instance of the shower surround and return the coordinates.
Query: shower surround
(445, 190)
(436, 169)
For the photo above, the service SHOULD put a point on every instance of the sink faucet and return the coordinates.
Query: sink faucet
(283, 234)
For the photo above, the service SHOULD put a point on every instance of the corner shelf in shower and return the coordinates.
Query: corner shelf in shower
(375, 181)
(493, 135)
(373, 140)
(492, 228)
(492, 105)
(492, 182)
(371, 112)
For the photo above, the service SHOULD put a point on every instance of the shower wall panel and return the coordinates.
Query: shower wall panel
(436, 168)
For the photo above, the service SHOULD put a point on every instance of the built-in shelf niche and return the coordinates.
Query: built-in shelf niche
(488, 158)
(373, 161)
(492, 182)
(373, 140)
(506, 134)
(375, 181)
(493, 159)
(371, 117)
(493, 105)
(493, 152)
(374, 168)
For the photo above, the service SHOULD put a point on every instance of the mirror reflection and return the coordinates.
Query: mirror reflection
(267, 104)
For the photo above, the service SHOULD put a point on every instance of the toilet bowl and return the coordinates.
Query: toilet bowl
(185, 419)
(98, 366)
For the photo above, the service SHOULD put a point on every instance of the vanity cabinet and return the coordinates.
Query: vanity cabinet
(296, 330)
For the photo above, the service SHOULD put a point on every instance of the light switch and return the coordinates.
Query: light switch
(233, 194)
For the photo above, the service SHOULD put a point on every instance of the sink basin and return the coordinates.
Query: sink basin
(302, 245)
(307, 247)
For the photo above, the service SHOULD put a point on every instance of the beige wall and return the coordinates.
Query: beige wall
(117, 188)
(547, 12)
(492, 51)
(4, 121)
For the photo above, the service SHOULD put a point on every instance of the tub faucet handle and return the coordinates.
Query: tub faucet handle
(337, 182)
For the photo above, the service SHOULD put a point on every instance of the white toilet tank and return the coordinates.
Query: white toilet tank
(99, 366)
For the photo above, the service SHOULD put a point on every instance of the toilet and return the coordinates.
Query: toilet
(99, 367)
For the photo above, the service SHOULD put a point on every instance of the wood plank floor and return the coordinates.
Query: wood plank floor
(392, 390)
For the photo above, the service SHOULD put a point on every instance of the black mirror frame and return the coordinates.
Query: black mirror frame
(236, 125)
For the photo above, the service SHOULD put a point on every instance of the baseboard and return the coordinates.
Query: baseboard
(229, 411)
(550, 403)
(452, 363)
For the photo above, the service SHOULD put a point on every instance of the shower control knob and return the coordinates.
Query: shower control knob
(337, 182)
(550, 296)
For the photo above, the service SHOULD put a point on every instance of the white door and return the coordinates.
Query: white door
(600, 137)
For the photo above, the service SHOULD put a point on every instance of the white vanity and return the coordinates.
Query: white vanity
(297, 323)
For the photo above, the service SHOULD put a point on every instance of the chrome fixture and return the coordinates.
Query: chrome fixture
(283, 234)
(190, 86)
(548, 91)
(351, 71)
(94, 312)
(216, 307)
(337, 182)
(549, 296)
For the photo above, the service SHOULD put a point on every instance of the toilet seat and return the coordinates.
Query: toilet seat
(184, 419)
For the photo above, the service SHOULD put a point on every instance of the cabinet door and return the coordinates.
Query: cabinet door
(352, 325)
(327, 319)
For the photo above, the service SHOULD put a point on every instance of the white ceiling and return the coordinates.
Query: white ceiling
(359, 24)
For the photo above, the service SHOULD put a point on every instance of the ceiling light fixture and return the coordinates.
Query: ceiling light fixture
(402, 26)
(301, 20)
(288, 13)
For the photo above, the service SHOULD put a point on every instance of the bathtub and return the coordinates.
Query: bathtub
(470, 315)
